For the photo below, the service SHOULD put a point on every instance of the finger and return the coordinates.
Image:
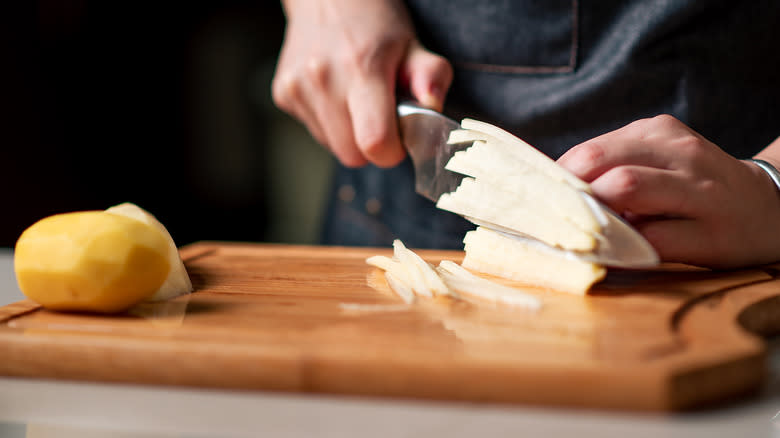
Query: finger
(591, 159)
(429, 76)
(681, 240)
(326, 113)
(337, 128)
(287, 94)
(646, 191)
(371, 104)
(646, 142)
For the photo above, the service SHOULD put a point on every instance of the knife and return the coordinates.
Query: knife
(424, 134)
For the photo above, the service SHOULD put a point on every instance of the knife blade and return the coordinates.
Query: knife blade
(424, 134)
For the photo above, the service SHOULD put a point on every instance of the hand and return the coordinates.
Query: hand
(337, 74)
(692, 201)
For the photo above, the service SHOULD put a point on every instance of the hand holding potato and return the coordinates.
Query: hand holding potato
(338, 71)
(692, 201)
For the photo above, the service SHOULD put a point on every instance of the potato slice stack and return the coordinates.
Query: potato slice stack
(511, 186)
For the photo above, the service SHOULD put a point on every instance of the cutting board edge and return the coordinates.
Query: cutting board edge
(65, 364)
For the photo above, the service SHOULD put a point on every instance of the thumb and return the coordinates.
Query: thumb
(427, 75)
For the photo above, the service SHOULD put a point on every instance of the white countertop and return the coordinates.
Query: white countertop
(43, 409)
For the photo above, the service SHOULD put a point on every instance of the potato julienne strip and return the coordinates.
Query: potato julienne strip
(432, 280)
(389, 265)
(395, 274)
(457, 277)
(399, 288)
(442, 288)
(466, 136)
(416, 275)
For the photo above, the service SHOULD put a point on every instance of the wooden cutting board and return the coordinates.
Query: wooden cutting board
(318, 319)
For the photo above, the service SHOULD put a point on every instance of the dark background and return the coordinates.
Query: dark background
(164, 104)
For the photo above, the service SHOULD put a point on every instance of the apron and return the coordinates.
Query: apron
(559, 72)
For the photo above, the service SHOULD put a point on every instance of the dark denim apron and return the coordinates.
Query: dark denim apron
(558, 72)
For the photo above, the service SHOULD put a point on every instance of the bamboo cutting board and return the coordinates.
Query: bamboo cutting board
(318, 319)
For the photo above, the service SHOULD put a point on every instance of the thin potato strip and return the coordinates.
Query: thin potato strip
(400, 288)
(461, 279)
(432, 280)
(416, 275)
(466, 136)
(389, 265)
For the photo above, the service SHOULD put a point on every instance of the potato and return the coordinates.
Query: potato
(90, 261)
(178, 282)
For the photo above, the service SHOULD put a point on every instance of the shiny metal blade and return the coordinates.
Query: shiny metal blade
(424, 134)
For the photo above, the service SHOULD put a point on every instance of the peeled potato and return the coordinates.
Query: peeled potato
(91, 261)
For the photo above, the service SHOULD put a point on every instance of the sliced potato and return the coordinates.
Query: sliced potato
(513, 188)
(483, 201)
(516, 187)
(538, 193)
(495, 253)
(525, 152)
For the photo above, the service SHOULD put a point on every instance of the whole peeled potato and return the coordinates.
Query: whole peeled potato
(90, 261)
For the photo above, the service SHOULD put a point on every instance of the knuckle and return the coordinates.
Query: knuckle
(373, 139)
(317, 72)
(369, 56)
(645, 129)
(284, 91)
(359, 60)
(642, 128)
(591, 153)
(688, 146)
(625, 182)
(639, 125)
(709, 187)
(665, 120)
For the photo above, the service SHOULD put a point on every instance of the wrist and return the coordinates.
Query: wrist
(769, 169)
